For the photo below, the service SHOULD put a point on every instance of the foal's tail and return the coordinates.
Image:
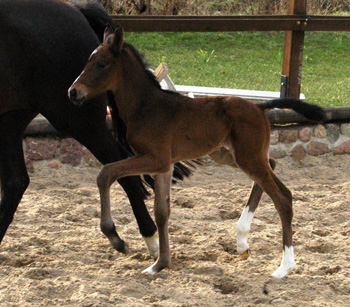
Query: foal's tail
(309, 111)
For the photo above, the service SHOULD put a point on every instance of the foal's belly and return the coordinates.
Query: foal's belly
(195, 144)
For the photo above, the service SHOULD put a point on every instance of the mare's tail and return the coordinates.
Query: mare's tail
(309, 111)
(96, 16)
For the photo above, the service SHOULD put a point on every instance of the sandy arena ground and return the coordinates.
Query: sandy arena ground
(55, 255)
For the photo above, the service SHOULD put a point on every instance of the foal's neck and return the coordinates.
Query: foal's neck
(135, 91)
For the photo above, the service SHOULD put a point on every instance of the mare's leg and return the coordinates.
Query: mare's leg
(162, 184)
(148, 229)
(244, 222)
(13, 172)
(88, 126)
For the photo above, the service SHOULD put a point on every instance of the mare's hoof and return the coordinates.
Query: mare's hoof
(152, 245)
(122, 247)
(245, 254)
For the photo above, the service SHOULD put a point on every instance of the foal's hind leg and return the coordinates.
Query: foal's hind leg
(162, 184)
(223, 156)
(263, 175)
(285, 211)
(244, 222)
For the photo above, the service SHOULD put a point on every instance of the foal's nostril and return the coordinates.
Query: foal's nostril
(73, 94)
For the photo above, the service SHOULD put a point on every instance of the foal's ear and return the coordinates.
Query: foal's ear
(108, 32)
(118, 39)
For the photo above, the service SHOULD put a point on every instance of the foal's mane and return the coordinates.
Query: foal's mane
(181, 170)
(98, 20)
(118, 124)
(140, 57)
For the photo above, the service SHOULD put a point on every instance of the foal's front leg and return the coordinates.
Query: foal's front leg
(162, 184)
(111, 172)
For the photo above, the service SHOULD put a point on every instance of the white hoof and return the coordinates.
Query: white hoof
(150, 270)
(152, 245)
(287, 264)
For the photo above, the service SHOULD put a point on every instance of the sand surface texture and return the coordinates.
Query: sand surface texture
(54, 253)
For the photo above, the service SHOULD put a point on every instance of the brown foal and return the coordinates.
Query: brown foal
(164, 127)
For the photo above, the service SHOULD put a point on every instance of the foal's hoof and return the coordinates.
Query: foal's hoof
(156, 268)
(282, 271)
(287, 264)
(245, 254)
(150, 271)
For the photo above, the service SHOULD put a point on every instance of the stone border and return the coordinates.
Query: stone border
(299, 141)
(56, 151)
(295, 141)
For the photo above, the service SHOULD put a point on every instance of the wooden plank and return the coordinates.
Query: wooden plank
(206, 23)
(255, 96)
(338, 114)
(326, 23)
(293, 52)
(40, 124)
(302, 22)
(281, 117)
(334, 115)
(161, 71)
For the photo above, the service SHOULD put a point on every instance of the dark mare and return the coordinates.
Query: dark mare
(44, 45)
(176, 128)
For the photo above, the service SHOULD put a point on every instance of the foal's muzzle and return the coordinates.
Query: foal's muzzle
(76, 95)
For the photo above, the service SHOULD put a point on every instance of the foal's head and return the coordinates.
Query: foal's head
(103, 69)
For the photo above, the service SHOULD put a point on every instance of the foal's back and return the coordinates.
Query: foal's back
(199, 126)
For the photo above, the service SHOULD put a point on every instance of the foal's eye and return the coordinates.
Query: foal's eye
(102, 64)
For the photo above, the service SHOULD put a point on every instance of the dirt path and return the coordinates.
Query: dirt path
(55, 255)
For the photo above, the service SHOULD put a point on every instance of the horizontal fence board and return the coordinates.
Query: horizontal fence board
(232, 23)
(40, 124)
(253, 95)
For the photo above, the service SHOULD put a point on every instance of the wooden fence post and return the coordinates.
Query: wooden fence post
(293, 53)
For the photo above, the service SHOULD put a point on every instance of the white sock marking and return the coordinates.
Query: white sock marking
(150, 270)
(243, 228)
(153, 245)
(287, 264)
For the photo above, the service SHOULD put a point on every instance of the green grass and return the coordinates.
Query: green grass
(251, 60)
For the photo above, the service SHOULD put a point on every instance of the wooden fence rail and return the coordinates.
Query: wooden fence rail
(40, 124)
(294, 24)
(232, 23)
